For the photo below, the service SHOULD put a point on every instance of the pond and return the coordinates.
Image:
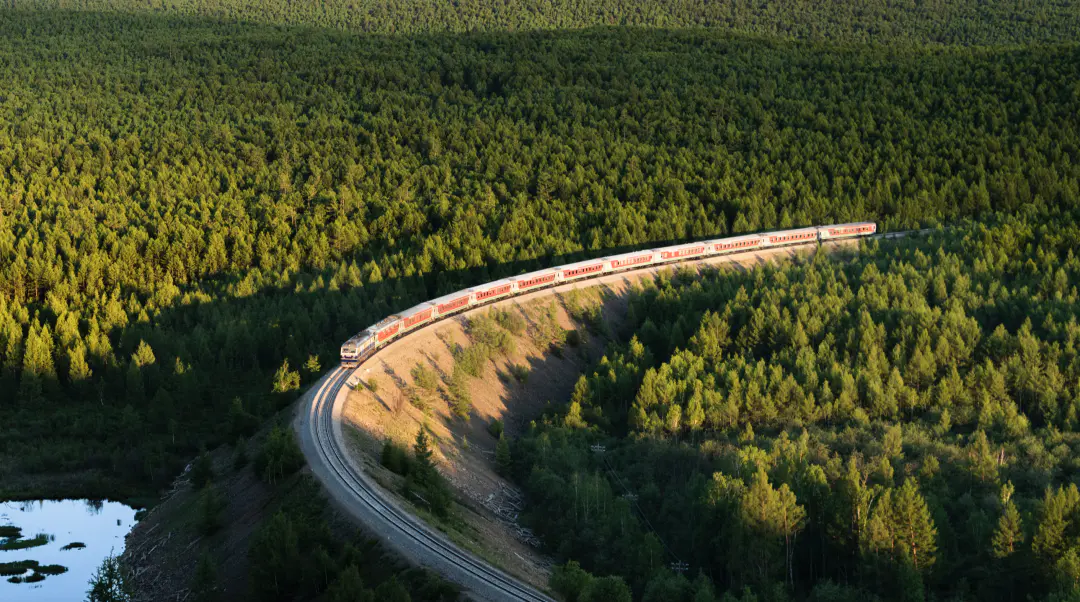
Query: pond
(49, 549)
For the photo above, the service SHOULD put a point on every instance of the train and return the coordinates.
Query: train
(366, 342)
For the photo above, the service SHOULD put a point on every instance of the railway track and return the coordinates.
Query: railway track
(324, 444)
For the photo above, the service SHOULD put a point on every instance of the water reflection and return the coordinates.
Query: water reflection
(99, 526)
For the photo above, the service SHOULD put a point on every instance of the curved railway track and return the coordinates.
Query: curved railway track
(322, 440)
(323, 444)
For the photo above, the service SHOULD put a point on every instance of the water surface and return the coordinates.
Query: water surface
(100, 525)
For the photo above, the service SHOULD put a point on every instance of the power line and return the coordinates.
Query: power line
(678, 565)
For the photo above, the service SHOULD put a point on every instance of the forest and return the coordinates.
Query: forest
(195, 213)
(935, 22)
(895, 424)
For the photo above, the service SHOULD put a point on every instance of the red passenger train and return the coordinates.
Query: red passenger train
(361, 346)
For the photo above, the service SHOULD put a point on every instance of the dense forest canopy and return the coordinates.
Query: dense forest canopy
(938, 22)
(900, 424)
(189, 205)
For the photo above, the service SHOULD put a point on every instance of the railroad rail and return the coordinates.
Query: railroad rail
(323, 443)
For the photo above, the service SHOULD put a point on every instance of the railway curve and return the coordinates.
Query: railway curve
(319, 425)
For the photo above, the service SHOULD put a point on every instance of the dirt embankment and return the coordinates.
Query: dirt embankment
(513, 387)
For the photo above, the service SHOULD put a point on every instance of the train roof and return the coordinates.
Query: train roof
(849, 225)
(813, 229)
(415, 309)
(629, 255)
(582, 264)
(734, 238)
(683, 246)
(451, 296)
(536, 274)
(490, 285)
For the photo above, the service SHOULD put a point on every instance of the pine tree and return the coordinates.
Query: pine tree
(286, 380)
(502, 455)
(204, 583)
(110, 583)
(1009, 532)
(349, 587)
(1050, 539)
(78, 370)
(913, 527)
(421, 450)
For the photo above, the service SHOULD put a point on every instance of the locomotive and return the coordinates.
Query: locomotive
(364, 344)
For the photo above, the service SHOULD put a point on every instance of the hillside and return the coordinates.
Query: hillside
(897, 425)
(487, 374)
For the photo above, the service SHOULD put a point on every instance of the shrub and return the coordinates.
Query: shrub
(279, 457)
(372, 385)
(202, 470)
(210, 506)
(520, 372)
(470, 359)
(511, 320)
(424, 377)
(460, 398)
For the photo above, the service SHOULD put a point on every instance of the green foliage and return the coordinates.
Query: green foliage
(520, 372)
(471, 360)
(209, 508)
(202, 470)
(279, 456)
(495, 427)
(392, 591)
(423, 483)
(349, 587)
(110, 583)
(286, 380)
(569, 580)
(275, 559)
(945, 22)
(424, 377)
(606, 589)
(204, 583)
(294, 555)
(837, 420)
(510, 320)
(503, 462)
(312, 366)
(460, 397)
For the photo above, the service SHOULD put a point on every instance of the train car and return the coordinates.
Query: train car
(630, 261)
(386, 329)
(680, 252)
(359, 347)
(790, 237)
(492, 290)
(847, 230)
(416, 316)
(456, 301)
(353, 349)
(737, 244)
(535, 280)
(581, 269)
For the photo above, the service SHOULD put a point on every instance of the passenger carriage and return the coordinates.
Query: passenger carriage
(360, 347)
